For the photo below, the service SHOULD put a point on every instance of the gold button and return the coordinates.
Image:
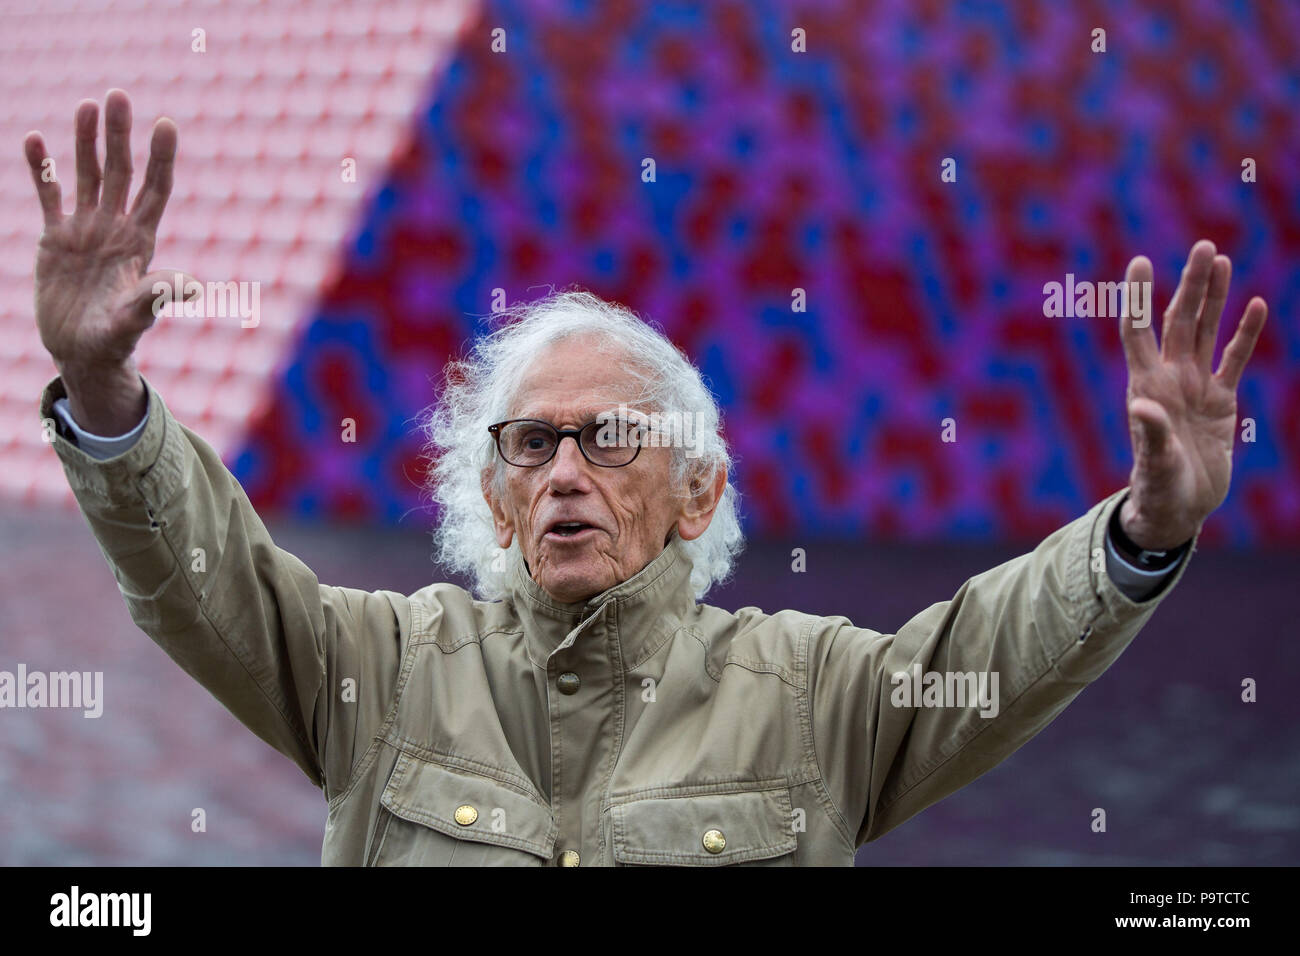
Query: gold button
(569, 858)
(466, 815)
(568, 682)
(714, 841)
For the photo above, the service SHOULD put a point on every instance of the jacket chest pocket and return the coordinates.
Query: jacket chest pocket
(709, 829)
(437, 816)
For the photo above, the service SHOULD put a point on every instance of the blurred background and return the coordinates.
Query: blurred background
(390, 172)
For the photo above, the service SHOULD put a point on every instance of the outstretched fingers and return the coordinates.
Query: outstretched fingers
(1135, 326)
(157, 187)
(88, 174)
(1207, 327)
(117, 151)
(48, 190)
(1178, 334)
(1239, 349)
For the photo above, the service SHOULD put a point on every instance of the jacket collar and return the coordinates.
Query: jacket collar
(647, 608)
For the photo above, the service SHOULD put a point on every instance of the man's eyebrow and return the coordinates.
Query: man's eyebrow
(588, 413)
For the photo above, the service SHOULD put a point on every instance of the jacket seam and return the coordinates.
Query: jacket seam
(473, 637)
(451, 762)
(786, 841)
(719, 788)
(620, 716)
(1078, 592)
(381, 732)
(925, 774)
(377, 840)
(810, 740)
(414, 813)
(716, 678)
(167, 447)
(763, 667)
(647, 653)
(217, 629)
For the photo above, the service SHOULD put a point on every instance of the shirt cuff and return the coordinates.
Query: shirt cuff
(1137, 584)
(98, 447)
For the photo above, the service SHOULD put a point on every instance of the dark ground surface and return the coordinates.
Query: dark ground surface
(1187, 773)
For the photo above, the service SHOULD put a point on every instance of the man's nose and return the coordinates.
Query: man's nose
(568, 467)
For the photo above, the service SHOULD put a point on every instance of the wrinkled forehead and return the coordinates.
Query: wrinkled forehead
(576, 381)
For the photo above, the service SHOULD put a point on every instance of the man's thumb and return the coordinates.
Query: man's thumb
(1150, 426)
(163, 291)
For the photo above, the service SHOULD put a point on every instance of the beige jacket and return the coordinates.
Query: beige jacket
(637, 728)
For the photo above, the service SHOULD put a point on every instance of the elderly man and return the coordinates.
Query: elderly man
(584, 709)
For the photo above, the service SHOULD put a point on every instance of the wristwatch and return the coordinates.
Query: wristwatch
(1141, 557)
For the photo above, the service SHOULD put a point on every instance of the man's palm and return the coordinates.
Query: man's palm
(92, 292)
(1183, 417)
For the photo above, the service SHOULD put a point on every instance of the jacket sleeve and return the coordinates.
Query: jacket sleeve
(1046, 624)
(309, 668)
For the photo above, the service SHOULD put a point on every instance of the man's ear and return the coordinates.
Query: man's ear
(505, 529)
(698, 510)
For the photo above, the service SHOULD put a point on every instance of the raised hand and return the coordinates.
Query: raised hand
(1183, 417)
(93, 297)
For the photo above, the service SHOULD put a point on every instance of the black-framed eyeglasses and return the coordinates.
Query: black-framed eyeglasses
(606, 443)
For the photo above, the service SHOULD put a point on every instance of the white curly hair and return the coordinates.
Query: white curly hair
(480, 389)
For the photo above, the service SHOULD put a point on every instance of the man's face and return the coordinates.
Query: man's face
(626, 513)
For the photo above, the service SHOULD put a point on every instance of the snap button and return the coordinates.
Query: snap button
(568, 683)
(569, 858)
(465, 815)
(714, 841)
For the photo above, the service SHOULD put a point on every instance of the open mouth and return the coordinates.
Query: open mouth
(569, 529)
